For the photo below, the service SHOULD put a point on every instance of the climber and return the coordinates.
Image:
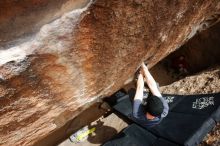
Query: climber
(156, 108)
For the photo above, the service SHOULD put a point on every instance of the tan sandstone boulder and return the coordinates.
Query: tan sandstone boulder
(52, 67)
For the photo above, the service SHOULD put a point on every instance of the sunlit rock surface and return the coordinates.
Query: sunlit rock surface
(50, 72)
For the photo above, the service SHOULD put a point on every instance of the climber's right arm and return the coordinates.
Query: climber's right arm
(138, 98)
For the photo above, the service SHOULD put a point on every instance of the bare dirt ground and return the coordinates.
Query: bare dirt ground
(106, 128)
(204, 82)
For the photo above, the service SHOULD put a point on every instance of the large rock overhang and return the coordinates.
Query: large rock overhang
(52, 75)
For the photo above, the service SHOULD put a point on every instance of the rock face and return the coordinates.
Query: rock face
(86, 54)
(20, 19)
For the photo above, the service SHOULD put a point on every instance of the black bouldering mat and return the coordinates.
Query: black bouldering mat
(216, 115)
(124, 106)
(173, 100)
(133, 135)
(163, 142)
(184, 124)
(204, 104)
(184, 129)
(116, 97)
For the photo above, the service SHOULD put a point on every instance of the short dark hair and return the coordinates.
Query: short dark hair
(154, 106)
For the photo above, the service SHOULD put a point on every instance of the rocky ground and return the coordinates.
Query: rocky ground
(204, 82)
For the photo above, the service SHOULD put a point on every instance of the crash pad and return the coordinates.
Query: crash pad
(202, 104)
(184, 129)
(135, 135)
(190, 117)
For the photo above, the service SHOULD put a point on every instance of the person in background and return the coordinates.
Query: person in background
(180, 65)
